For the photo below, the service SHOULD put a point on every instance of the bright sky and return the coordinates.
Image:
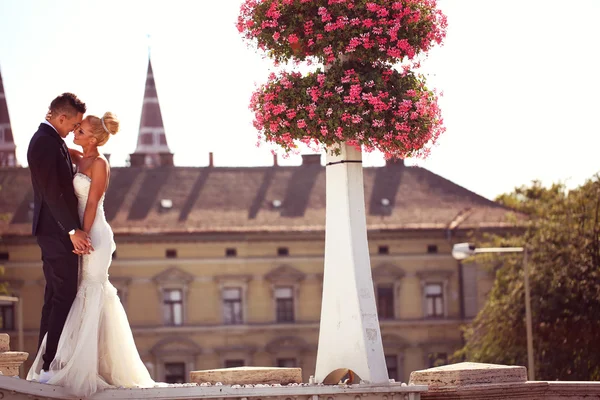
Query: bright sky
(520, 81)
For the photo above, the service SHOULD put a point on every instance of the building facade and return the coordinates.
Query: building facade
(213, 277)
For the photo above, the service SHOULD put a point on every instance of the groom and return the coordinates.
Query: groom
(55, 218)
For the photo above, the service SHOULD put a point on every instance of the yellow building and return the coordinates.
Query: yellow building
(221, 267)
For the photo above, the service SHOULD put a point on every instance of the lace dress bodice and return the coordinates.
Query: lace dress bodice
(100, 233)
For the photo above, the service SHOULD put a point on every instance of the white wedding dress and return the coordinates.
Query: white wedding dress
(96, 349)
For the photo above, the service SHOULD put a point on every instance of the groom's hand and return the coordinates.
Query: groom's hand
(82, 243)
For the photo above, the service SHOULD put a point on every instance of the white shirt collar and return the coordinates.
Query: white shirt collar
(48, 123)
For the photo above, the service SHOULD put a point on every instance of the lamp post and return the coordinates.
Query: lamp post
(461, 251)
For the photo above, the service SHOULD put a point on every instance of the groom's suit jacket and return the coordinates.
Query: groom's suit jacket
(51, 168)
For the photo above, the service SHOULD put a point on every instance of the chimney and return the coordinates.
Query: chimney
(211, 162)
(166, 159)
(311, 159)
(275, 160)
(137, 160)
(107, 156)
(394, 162)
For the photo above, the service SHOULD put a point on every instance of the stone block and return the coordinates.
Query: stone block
(10, 361)
(248, 375)
(4, 342)
(466, 373)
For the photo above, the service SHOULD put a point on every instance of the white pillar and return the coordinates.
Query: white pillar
(349, 335)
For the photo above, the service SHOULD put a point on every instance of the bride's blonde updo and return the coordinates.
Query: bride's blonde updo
(103, 127)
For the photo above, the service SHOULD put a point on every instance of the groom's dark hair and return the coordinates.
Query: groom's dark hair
(67, 103)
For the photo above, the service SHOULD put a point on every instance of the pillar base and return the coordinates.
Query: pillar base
(10, 361)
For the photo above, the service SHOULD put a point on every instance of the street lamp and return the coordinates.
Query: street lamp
(460, 251)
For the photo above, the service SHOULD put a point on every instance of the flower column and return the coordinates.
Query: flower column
(349, 336)
(356, 103)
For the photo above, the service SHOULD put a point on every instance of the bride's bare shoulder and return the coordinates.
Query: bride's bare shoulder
(100, 166)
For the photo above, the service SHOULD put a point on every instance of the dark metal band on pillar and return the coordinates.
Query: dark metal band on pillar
(343, 162)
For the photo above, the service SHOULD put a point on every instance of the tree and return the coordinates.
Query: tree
(563, 238)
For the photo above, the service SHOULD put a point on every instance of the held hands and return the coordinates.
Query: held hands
(81, 242)
(48, 115)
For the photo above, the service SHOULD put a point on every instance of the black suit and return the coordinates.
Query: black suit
(54, 215)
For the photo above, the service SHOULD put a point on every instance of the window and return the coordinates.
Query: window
(385, 301)
(232, 305)
(149, 160)
(148, 138)
(234, 363)
(175, 372)
(437, 359)
(432, 248)
(230, 252)
(7, 317)
(383, 250)
(392, 366)
(287, 363)
(284, 298)
(434, 300)
(173, 306)
(171, 253)
(283, 251)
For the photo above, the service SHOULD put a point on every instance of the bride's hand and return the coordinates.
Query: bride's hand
(48, 115)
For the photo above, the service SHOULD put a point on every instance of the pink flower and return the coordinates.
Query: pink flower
(372, 7)
(356, 119)
(368, 23)
(293, 38)
(321, 79)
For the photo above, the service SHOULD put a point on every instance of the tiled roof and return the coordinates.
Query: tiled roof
(243, 199)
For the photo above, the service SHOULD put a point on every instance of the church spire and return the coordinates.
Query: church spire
(152, 149)
(7, 144)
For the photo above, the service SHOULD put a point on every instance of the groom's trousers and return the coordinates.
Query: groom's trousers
(60, 270)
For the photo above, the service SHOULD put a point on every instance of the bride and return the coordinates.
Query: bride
(96, 349)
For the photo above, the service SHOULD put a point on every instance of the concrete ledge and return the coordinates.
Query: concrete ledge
(19, 389)
(520, 391)
(248, 375)
(466, 373)
(475, 381)
(573, 390)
